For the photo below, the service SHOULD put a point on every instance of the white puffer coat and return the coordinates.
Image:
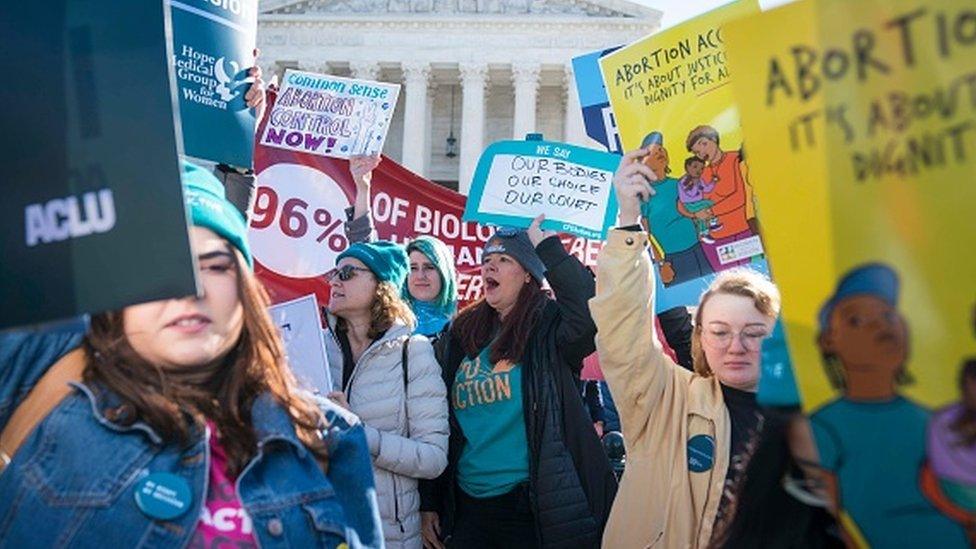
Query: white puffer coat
(375, 393)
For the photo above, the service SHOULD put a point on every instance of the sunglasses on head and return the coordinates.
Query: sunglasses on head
(344, 273)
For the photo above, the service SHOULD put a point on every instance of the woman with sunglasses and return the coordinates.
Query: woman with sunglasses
(526, 468)
(431, 283)
(389, 378)
(182, 424)
(689, 435)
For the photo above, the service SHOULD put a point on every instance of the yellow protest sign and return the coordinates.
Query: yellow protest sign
(861, 124)
(675, 80)
(669, 93)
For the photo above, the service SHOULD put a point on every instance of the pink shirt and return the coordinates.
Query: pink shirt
(223, 522)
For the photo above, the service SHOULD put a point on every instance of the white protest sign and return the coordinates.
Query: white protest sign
(301, 330)
(330, 115)
(517, 180)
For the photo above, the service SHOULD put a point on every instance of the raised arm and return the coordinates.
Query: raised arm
(572, 285)
(359, 218)
(637, 369)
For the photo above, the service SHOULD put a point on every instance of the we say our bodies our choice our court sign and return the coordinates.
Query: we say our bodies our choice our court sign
(515, 181)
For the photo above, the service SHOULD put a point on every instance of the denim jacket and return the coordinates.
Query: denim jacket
(72, 482)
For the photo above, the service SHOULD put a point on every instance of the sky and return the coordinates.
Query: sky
(676, 11)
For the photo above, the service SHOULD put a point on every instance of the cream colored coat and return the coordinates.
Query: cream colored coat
(660, 503)
(376, 395)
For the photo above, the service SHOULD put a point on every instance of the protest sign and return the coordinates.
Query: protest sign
(515, 181)
(89, 221)
(669, 91)
(299, 322)
(598, 119)
(213, 49)
(860, 121)
(330, 115)
(404, 205)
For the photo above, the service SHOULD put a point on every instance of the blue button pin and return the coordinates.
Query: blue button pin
(163, 496)
(701, 453)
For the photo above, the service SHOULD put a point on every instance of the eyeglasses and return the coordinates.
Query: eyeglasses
(344, 273)
(721, 338)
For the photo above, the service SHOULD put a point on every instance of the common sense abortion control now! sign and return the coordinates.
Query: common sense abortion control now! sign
(330, 115)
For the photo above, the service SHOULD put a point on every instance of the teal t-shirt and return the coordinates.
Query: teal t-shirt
(876, 451)
(487, 400)
(673, 231)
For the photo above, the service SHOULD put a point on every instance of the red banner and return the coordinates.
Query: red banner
(298, 210)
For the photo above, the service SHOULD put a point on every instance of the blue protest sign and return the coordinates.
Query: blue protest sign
(213, 45)
(598, 117)
(515, 181)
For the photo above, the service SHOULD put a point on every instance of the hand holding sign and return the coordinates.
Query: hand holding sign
(361, 168)
(516, 180)
(255, 94)
(632, 186)
(535, 232)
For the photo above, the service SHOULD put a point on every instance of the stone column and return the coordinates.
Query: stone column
(474, 79)
(525, 78)
(365, 70)
(573, 130)
(428, 137)
(415, 77)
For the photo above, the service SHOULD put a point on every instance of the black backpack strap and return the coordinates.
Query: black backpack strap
(404, 363)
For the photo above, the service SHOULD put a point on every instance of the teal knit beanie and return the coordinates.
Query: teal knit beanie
(209, 207)
(386, 259)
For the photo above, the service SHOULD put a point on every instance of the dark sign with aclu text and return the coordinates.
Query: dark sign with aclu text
(92, 214)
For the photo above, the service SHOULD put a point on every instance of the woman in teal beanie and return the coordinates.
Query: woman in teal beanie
(390, 378)
(431, 285)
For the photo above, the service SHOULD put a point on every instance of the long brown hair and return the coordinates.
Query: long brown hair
(478, 323)
(255, 365)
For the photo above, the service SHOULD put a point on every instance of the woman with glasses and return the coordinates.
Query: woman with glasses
(431, 283)
(389, 378)
(178, 423)
(689, 435)
(526, 468)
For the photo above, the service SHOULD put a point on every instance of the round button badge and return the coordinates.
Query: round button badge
(163, 496)
(701, 453)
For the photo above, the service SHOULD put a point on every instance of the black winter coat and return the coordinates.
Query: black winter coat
(571, 483)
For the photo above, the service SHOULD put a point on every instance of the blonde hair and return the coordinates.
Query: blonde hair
(741, 282)
(388, 306)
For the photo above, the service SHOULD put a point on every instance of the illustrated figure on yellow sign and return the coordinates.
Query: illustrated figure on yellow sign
(684, 259)
(731, 193)
(692, 202)
(871, 439)
(949, 477)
